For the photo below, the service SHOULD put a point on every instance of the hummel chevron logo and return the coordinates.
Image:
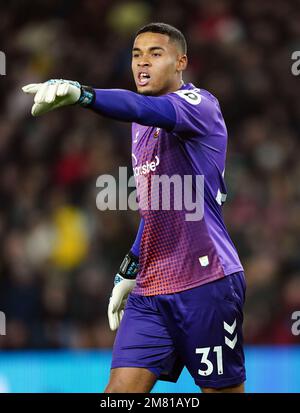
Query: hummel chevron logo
(230, 329)
(231, 343)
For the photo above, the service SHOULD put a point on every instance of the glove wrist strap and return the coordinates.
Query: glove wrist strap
(87, 96)
(129, 266)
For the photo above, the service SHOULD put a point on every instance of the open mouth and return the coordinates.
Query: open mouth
(143, 78)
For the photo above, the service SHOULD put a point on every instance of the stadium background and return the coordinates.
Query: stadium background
(59, 253)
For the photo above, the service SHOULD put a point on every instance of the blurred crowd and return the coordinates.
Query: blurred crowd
(59, 253)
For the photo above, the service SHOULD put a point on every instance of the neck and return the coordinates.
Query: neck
(174, 87)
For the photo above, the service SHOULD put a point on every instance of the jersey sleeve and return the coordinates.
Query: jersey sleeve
(196, 114)
(135, 249)
(128, 106)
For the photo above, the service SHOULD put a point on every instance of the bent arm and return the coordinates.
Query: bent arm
(135, 249)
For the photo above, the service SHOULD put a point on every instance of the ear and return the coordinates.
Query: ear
(182, 62)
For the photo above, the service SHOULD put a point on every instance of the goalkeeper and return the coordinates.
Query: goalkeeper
(182, 279)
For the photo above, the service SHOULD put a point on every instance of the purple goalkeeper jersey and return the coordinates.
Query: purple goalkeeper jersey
(179, 251)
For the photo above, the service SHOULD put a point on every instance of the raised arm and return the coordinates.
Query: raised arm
(128, 106)
(118, 104)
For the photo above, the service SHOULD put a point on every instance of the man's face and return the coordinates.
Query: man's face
(156, 64)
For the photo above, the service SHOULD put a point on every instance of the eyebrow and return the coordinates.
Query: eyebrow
(137, 49)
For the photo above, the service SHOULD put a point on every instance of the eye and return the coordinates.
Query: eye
(135, 55)
(156, 54)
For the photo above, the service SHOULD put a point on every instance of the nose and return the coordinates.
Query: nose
(144, 63)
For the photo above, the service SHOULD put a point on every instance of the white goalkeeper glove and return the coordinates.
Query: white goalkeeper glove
(56, 93)
(123, 285)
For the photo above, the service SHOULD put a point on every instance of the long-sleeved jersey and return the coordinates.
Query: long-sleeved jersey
(179, 145)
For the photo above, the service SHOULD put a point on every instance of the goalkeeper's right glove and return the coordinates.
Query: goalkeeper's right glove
(123, 285)
(56, 93)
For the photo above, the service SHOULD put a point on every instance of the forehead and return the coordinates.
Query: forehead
(149, 40)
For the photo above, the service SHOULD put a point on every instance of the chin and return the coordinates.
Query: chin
(147, 90)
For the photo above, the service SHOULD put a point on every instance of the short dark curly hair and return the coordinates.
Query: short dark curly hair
(164, 28)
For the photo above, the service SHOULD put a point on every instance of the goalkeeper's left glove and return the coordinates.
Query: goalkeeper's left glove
(123, 285)
(56, 93)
